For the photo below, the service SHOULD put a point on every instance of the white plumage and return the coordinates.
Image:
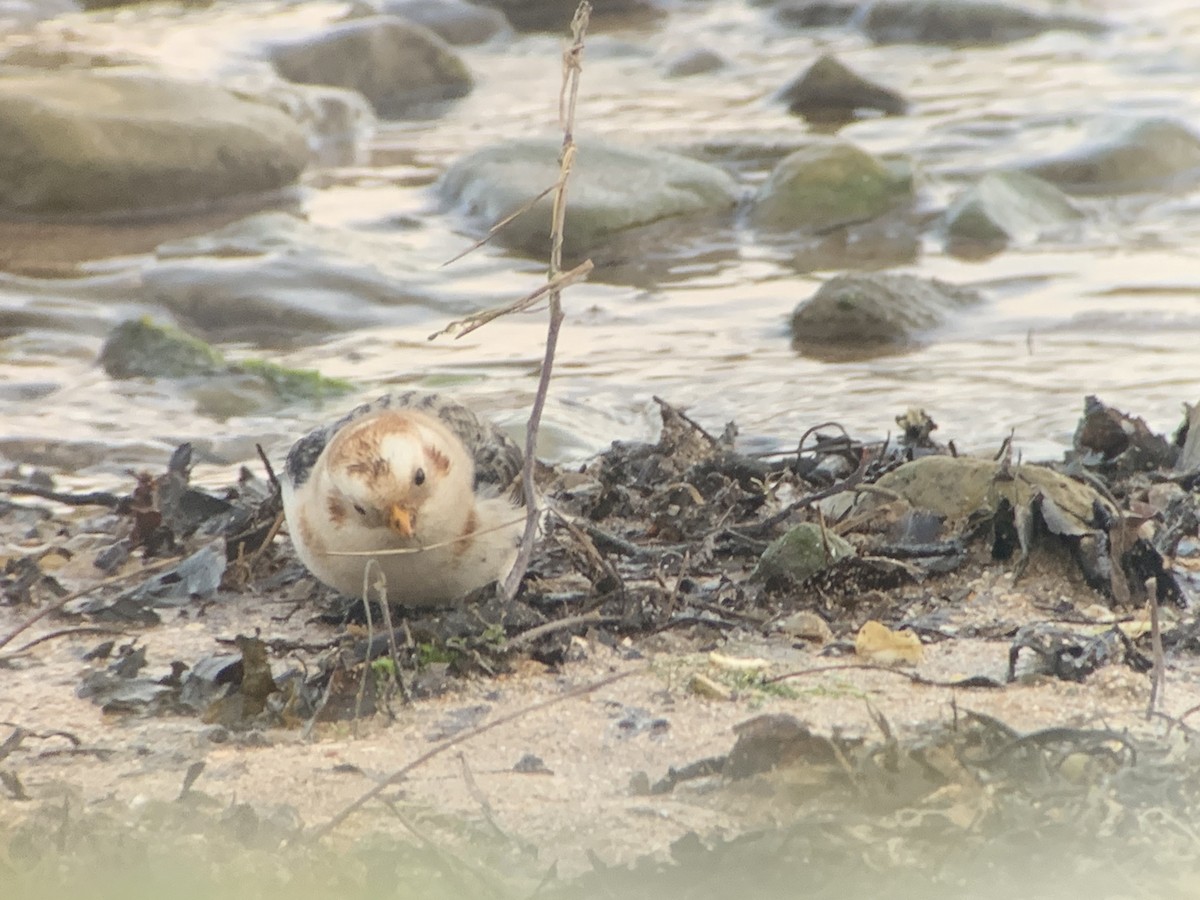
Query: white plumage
(414, 472)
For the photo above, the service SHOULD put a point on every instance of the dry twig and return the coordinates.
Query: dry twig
(464, 326)
(572, 69)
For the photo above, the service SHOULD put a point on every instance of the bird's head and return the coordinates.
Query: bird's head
(385, 467)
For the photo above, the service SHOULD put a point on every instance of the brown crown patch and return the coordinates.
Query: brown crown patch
(356, 447)
(372, 470)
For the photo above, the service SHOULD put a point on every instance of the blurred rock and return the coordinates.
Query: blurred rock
(1009, 206)
(959, 22)
(827, 184)
(1148, 155)
(118, 141)
(875, 308)
(814, 13)
(828, 91)
(612, 189)
(698, 61)
(800, 553)
(454, 21)
(555, 15)
(141, 348)
(397, 65)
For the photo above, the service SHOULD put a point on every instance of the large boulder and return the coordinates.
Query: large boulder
(1009, 206)
(827, 184)
(869, 311)
(964, 22)
(397, 65)
(118, 141)
(1147, 155)
(612, 189)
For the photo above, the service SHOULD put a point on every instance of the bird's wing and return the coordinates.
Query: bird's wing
(497, 458)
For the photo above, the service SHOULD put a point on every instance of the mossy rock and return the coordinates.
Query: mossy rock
(141, 348)
(827, 184)
(801, 553)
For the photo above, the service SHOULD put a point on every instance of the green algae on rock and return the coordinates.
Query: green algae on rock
(142, 348)
(801, 553)
(827, 184)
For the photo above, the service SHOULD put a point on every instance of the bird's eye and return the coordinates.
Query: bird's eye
(419, 477)
(358, 509)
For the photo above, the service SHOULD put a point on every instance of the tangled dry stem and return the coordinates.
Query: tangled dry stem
(568, 98)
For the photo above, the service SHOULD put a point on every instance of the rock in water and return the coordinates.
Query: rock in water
(112, 142)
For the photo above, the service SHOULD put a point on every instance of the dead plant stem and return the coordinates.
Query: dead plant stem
(568, 97)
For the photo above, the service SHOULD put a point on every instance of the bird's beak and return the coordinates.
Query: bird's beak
(400, 519)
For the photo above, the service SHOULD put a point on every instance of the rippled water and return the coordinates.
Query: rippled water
(1114, 313)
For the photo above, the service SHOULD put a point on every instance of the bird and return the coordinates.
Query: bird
(414, 472)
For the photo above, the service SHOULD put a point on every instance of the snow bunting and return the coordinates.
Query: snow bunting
(414, 472)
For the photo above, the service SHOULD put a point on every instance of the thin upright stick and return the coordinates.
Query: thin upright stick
(572, 69)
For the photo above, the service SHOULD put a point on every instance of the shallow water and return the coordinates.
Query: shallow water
(1114, 311)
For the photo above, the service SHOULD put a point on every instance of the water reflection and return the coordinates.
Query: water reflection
(699, 318)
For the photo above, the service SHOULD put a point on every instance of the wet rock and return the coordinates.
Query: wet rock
(829, 91)
(612, 189)
(827, 184)
(815, 13)
(453, 21)
(875, 308)
(397, 65)
(800, 553)
(958, 22)
(699, 61)
(140, 348)
(1147, 155)
(554, 15)
(105, 141)
(271, 277)
(1009, 206)
(884, 243)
